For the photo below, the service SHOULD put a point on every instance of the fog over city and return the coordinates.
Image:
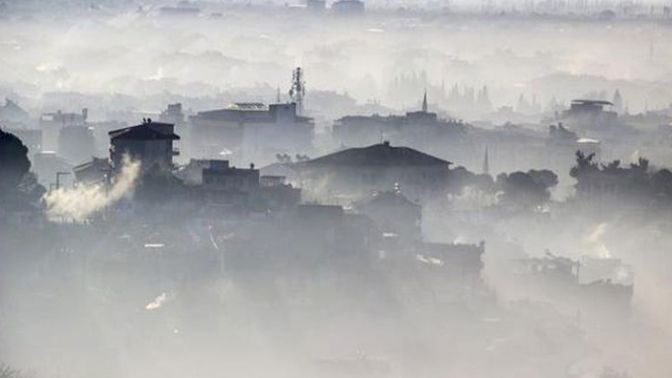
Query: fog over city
(348, 188)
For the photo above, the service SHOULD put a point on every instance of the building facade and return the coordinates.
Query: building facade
(358, 172)
(150, 142)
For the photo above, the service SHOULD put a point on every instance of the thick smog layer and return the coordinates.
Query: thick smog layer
(335, 189)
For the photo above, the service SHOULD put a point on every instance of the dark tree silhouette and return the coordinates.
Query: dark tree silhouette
(612, 167)
(641, 165)
(661, 184)
(30, 188)
(526, 189)
(14, 163)
(544, 177)
(584, 164)
(460, 177)
(638, 181)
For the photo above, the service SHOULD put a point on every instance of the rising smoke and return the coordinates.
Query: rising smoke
(79, 203)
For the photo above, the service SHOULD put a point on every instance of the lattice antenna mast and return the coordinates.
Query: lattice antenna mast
(298, 89)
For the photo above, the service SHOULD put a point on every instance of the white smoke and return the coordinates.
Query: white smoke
(81, 202)
(157, 302)
(595, 241)
(472, 198)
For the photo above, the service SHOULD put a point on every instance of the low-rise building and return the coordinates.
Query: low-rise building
(418, 128)
(95, 171)
(275, 193)
(394, 214)
(52, 123)
(358, 172)
(149, 142)
(76, 143)
(253, 130)
(590, 114)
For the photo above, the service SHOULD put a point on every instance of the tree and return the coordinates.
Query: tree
(460, 178)
(30, 188)
(526, 189)
(14, 163)
(612, 167)
(642, 164)
(544, 177)
(584, 164)
(661, 183)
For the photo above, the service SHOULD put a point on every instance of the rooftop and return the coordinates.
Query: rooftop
(143, 132)
(248, 106)
(592, 102)
(382, 154)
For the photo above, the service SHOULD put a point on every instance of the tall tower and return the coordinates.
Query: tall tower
(424, 102)
(486, 163)
(298, 89)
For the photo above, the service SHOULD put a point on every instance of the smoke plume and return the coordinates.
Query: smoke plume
(79, 203)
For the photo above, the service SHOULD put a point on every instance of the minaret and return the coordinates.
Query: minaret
(277, 95)
(424, 102)
(486, 163)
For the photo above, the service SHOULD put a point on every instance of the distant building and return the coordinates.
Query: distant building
(192, 173)
(229, 187)
(358, 172)
(328, 231)
(257, 131)
(394, 214)
(150, 142)
(418, 129)
(225, 185)
(221, 176)
(173, 114)
(52, 123)
(276, 193)
(13, 113)
(46, 165)
(348, 7)
(76, 143)
(312, 238)
(456, 262)
(590, 114)
(562, 278)
(92, 172)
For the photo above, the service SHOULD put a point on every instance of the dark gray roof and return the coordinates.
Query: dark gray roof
(97, 163)
(142, 132)
(592, 102)
(382, 154)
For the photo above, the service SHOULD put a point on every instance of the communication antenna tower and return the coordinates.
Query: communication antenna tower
(298, 89)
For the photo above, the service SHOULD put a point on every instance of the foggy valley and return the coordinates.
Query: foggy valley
(335, 189)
